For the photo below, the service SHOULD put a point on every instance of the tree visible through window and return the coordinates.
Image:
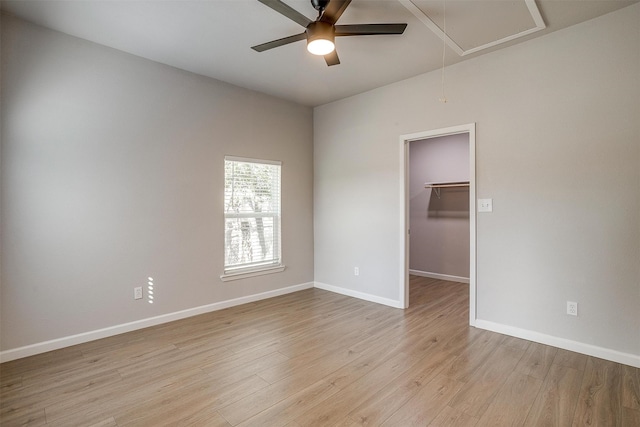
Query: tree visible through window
(251, 214)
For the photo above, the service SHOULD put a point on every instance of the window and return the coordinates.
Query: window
(251, 217)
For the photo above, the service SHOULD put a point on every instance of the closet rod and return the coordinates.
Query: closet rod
(446, 184)
(436, 186)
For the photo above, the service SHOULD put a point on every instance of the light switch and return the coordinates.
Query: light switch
(485, 205)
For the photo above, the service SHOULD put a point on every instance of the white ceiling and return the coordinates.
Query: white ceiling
(213, 37)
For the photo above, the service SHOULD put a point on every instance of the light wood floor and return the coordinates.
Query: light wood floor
(315, 358)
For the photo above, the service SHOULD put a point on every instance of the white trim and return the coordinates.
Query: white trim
(273, 215)
(418, 13)
(439, 276)
(42, 347)
(359, 295)
(250, 160)
(469, 129)
(404, 222)
(243, 274)
(473, 236)
(531, 6)
(578, 347)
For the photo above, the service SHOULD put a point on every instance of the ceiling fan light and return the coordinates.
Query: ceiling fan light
(320, 46)
(320, 38)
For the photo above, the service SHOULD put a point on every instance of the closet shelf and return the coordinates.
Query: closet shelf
(446, 184)
(436, 186)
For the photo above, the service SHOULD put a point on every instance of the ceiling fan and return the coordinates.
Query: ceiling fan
(321, 33)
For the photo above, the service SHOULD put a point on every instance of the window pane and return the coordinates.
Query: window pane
(251, 187)
(252, 214)
(250, 241)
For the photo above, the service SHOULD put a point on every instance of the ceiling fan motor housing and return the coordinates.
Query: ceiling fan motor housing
(320, 30)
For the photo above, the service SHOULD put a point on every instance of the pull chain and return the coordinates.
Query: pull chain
(444, 48)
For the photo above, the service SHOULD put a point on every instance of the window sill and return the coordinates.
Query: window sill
(252, 273)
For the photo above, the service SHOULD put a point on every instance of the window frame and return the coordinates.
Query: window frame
(260, 268)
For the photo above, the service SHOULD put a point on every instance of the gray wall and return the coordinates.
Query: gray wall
(439, 239)
(558, 150)
(112, 170)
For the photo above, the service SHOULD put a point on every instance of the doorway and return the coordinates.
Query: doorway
(405, 140)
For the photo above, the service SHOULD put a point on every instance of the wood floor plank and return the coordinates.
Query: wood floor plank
(517, 343)
(402, 359)
(248, 364)
(513, 402)
(83, 420)
(331, 353)
(473, 355)
(109, 422)
(305, 328)
(395, 394)
(187, 400)
(176, 360)
(40, 362)
(325, 363)
(555, 404)
(631, 388)
(337, 407)
(207, 417)
(357, 323)
(32, 399)
(317, 358)
(353, 366)
(599, 403)
(450, 417)
(630, 417)
(293, 406)
(426, 404)
(122, 395)
(485, 382)
(137, 354)
(33, 417)
(570, 359)
(9, 383)
(537, 360)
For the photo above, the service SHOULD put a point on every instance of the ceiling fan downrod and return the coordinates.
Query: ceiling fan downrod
(320, 6)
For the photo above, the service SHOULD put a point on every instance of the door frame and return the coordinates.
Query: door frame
(405, 140)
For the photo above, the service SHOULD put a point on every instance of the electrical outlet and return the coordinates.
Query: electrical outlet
(137, 292)
(572, 308)
(356, 271)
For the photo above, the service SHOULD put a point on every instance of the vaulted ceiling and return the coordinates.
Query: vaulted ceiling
(213, 37)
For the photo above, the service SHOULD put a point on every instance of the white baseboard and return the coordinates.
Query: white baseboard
(33, 349)
(359, 295)
(439, 276)
(43, 347)
(578, 347)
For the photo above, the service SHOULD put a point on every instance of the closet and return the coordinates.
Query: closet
(439, 207)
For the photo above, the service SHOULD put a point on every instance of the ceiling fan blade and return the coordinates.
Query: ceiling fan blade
(288, 11)
(280, 42)
(369, 29)
(334, 11)
(332, 58)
